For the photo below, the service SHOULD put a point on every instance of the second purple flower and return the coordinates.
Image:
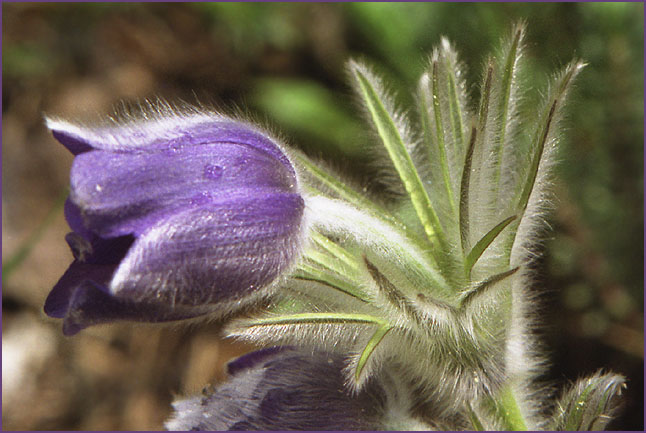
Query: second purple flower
(173, 217)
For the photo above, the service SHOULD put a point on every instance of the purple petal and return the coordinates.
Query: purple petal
(75, 219)
(97, 250)
(75, 144)
(91, 304)
(95, 260)
(254, 359)
(58, 301)
(170, 130)
(215, 253)
(286, 389)
(123, 193)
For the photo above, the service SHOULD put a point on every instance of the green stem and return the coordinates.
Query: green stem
(17, 258)
(509, 412)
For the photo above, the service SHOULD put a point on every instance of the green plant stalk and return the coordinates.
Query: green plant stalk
(508, 410)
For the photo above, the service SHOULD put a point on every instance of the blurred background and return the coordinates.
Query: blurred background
(284, 63)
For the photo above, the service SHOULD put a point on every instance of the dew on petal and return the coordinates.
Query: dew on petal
(213, 172)
(173, 147)
(201, 199)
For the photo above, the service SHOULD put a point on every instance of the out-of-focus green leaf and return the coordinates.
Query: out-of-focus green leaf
(252, 25)
(309, 110)
(26, 60)
(395, 31)
(23, 251)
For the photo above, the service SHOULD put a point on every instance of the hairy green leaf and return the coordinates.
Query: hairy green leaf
(393, 141)
(374, 341)
(484, 242)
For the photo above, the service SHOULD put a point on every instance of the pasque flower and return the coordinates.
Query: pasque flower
(286, 388)
(173, 215)
(408, 313)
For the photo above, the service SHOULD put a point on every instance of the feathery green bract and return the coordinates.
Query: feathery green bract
(330, 181)
(311, 273)
(545, 133)
(508, 411)
(312, 318)
(464, 196)
(589, 404)
(484, 242)
(379, 334)
(507, 96)
(393, 140)
(442, 293)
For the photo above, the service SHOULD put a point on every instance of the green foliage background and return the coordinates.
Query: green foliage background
(284, 64)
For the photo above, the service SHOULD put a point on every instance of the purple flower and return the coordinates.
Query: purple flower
(284, 388)
(174, 216)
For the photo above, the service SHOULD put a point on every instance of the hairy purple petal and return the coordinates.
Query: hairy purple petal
(283, 389)
(132, 191)
(91, 304)
(231, 247)
(95, 261)
(174, 216)
(57, 303)
(163, 131)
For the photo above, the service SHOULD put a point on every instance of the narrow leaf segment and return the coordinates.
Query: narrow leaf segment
(400, 157)
(508, 83)
(374, 341)
(555, 101)
(317, 319)
(439, 131)
(464, 191)
(484, 242)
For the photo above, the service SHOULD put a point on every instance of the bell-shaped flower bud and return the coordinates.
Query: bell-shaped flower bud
(287, 388)
(174, 216)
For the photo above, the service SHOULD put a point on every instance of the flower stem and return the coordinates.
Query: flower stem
(508, 410)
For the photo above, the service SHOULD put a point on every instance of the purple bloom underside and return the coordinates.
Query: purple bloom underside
(282, 388)
(173, 219)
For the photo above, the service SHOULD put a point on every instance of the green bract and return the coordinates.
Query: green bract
(436, 286)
